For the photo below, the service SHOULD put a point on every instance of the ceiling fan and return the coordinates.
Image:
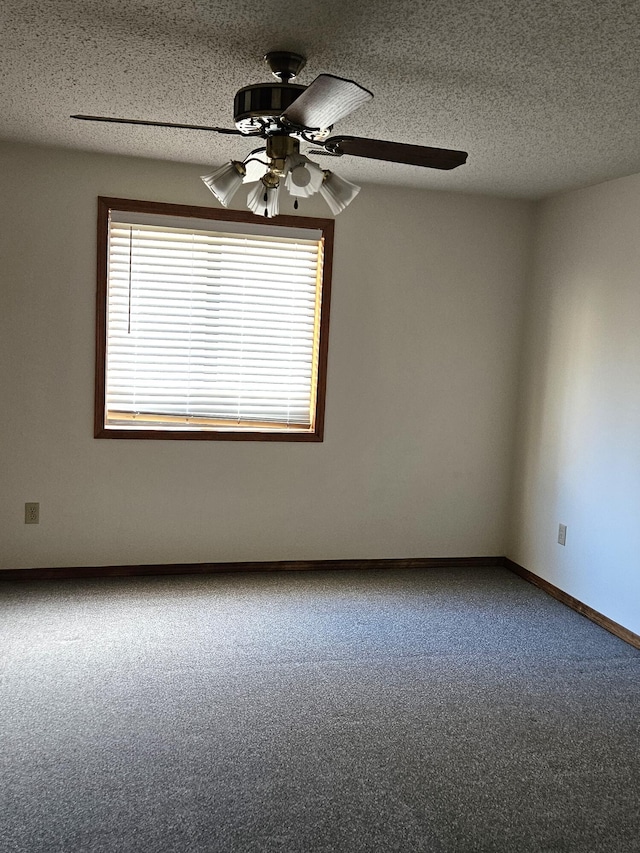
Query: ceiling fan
(284, 114)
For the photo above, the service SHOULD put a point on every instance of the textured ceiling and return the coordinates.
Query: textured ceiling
(543, 94)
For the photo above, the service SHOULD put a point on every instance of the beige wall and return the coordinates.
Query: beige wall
(425, 321)
(578, 457)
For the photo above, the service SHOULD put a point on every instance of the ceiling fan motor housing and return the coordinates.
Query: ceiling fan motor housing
(260, 105)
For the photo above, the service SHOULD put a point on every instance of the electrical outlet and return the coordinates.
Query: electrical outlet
(32, 513)
(562, 534)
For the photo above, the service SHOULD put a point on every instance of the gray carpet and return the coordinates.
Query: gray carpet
(441, 710)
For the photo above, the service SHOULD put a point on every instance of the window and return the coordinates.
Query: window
(210, 324)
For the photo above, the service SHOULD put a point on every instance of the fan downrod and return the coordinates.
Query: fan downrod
(285, 66)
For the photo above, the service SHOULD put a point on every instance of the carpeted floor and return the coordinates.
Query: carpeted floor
(442, 710)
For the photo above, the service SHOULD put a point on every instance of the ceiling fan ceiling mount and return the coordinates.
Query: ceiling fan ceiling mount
(285, 66)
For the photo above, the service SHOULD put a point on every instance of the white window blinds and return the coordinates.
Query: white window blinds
(211, 328)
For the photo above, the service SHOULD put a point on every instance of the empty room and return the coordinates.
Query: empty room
(320, 468)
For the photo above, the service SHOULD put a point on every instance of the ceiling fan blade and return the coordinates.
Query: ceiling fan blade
(325, 101)
(396, 152)
(158, 124)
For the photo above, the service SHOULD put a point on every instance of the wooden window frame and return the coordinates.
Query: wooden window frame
(105, 206)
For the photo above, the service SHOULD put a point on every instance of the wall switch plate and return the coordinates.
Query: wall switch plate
(562, 534)
(32, 513)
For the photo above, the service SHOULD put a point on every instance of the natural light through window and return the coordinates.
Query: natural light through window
(213, 327)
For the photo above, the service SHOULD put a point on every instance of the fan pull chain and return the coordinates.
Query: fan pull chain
(295, 204)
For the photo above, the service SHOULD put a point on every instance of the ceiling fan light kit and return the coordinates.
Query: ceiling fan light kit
(286, 113)
(283, 165)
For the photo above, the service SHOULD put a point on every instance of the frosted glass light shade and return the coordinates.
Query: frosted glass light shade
(304, 178)
(257, 204)
(337, 192)
(225, 182)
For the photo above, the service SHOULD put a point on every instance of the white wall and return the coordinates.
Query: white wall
(425, 322)
(579, 432)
